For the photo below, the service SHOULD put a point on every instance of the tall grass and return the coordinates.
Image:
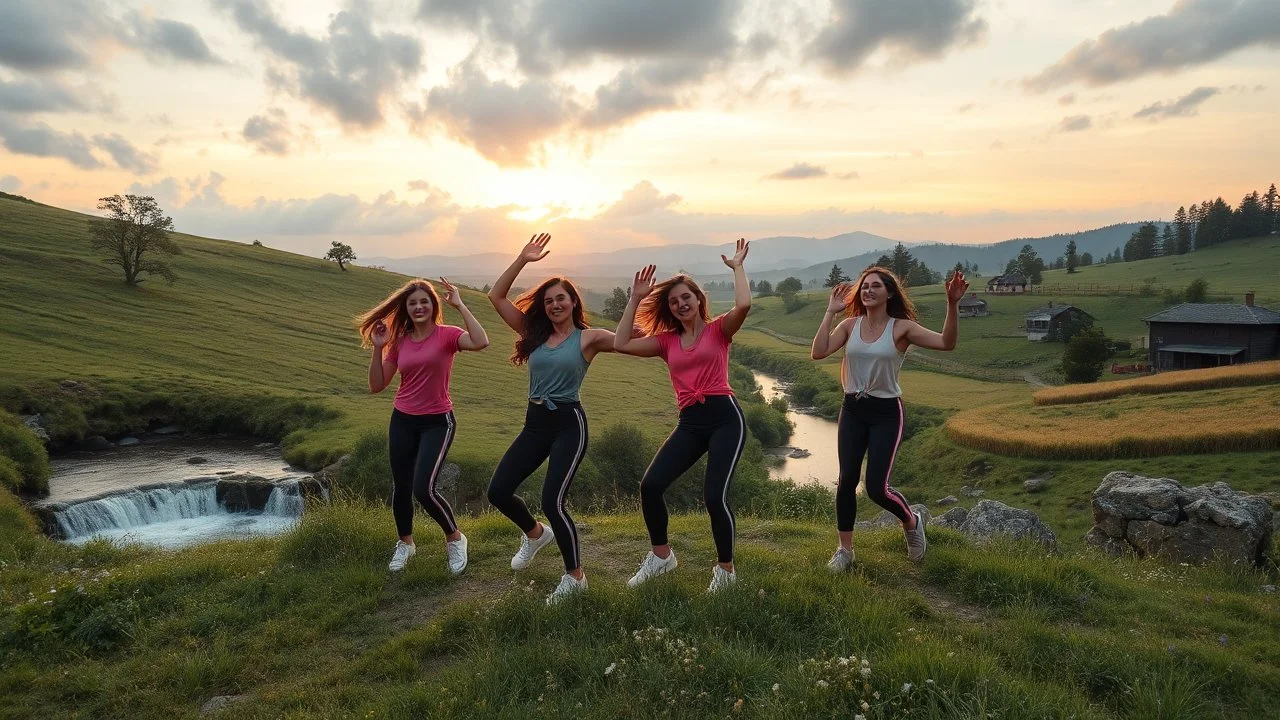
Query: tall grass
(1261, 373)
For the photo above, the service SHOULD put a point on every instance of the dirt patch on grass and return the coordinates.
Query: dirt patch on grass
(944, 603)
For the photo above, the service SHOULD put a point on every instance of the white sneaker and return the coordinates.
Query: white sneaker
(916, 543)
(841, 561)
(402, 553)
(456, 552)
(721, 579)
(652, 567)
(529, 548)
(568, 586)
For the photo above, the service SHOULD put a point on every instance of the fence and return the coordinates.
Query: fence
(1114, 290)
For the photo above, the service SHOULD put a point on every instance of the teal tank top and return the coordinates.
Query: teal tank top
(556, 373)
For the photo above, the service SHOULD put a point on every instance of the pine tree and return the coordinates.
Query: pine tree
(1072, 258)
(1168, 243)
(764, 288)
(1271, 206)
(1030, 264)
(1182, 232)
(1086, 259)
(835, 277)
(1249, 219)
(902, 261)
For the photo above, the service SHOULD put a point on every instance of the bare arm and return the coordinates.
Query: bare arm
(475, 337)
(917, 334)
(532, 252)
(623, 341)
(741, 291)
(824, 341)
(596, 341)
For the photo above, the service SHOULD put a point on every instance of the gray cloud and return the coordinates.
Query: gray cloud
(50, 36)
(10, 183)
(799, 171)
(270, 133)
(1068, 99)
(1193, 32)
(40, 140)
(166, 191)
(643, 89)
(641, 199)
(503, 122)
(910, 30)
(1074, 123)
(164, 40)
(32, 96)
(851, 175)
(1184, 106)
(350, 73)
(125, 154)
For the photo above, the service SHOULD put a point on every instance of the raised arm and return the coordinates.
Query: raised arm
(380, 370)
(623, 341)
(532, 252)
(596, 340)
(741, 291)
(474, 338)
(826, 342)
(918, 334)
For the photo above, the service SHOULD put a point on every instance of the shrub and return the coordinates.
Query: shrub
(620, 454)
(1086, 356)
(24, 464)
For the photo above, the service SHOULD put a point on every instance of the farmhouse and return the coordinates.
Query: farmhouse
(971, 306)
(1200, 335)
(1045, 322)
(1007, 285)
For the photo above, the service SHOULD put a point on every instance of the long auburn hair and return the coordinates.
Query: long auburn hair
(537, 325)
(654, 315)
(395, 315)
(898, 305)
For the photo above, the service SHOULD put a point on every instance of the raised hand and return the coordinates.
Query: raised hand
(380, 335)
(741, 254)
(839, 297)
(536, 249)
(957, 286)
(452, 296)
(642, 284)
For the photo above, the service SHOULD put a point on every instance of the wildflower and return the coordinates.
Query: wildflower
(761, 593)
(822, 683)
(737, 707)
(929, 681)
(1222, 640)
(609, 670)
(775, 687)
(865, 707)
(859, 717)
(906, 687)
(951, 654)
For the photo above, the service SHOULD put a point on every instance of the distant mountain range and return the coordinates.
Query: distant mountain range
(772, 258)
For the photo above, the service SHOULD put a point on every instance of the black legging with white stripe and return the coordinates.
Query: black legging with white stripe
(561, 435)
(418, 445)
(717, 428)
(872, 427)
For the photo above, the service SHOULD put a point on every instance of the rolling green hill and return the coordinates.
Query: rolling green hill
(249, 338)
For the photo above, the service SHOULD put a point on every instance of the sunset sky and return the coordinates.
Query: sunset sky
(409, 127)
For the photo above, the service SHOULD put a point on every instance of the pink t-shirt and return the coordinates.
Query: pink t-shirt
(424, 371)
(701, 370)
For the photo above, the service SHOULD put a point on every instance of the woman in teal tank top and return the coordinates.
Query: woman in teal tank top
(554, 340)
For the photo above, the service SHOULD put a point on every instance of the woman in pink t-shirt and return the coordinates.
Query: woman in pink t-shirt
(407, 335)
(677, 327)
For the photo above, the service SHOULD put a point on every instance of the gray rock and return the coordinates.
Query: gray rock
(96, 442)
(128, 441)
(978, 468)
(169, 430)
(1160, 517)
(1268, 588)
(331, 475)
(948, 500)
(953, 518)
(197, 460)
(221, 702)
(33, 423)
(972, 492)
(1039, 483)
(989, 519)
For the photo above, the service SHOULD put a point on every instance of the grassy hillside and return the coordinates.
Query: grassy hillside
(249, 333)
(311, 626)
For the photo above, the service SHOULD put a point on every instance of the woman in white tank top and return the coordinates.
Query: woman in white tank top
(880, 326)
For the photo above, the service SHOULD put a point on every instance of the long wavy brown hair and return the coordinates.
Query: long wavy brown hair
(654, 315)
(394, 313)
(537, 324)
(898, 305)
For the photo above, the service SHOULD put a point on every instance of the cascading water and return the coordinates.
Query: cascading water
(176, 516)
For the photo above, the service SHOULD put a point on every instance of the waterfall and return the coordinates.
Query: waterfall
(285, 500)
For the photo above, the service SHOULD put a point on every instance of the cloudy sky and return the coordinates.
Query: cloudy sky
(407, 127)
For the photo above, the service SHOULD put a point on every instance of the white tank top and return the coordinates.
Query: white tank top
(872, 368)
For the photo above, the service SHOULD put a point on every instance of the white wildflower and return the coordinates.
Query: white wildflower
(610, 669)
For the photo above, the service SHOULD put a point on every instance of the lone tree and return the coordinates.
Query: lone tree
(616, 304)
(835, 277)
(1086, 356)
(132, 234)
(340, 253)
(1073, 258)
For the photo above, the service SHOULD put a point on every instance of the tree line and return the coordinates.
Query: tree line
(1205, 224)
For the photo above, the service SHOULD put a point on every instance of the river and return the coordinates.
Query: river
(812, 433)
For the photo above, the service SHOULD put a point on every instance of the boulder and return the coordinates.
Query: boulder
(1159, 517)
(221, 702)
(972, 492)
(331, 475)
(948, 500)
(33, 424)
(243, 492)
(953, 518)
(96, 442)
(989, 519)
(1039, 483)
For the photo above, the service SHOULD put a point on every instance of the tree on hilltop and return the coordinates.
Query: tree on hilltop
(835, 277)
(340, 253)
(616, 304)
(134, 232)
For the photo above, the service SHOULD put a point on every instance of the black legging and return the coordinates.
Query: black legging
(418, 445)
(868, 426)
(715, 427)
(560, 434)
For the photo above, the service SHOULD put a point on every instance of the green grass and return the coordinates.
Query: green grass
(246, 331)
(311, 625)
